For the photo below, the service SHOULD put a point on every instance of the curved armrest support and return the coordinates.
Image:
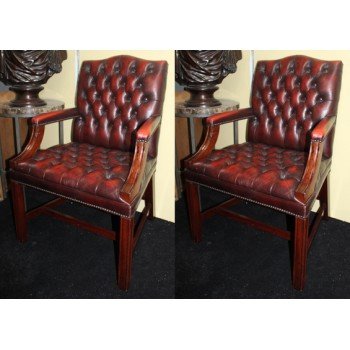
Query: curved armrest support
(37, 131)
(211, 136)
(134, 180)
(56, 116)
(212, 128)
(307, 184)
(36, 136)
(231, 116)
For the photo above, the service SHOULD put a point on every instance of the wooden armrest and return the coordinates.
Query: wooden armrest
(148, 128)
(306, 187)
(56, 116)
(133, 182)
(231, 116)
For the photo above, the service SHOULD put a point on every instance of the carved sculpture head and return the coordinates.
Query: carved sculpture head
(25, 70)
(201, 70)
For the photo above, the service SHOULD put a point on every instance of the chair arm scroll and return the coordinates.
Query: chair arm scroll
(323, 128)
(148, 128)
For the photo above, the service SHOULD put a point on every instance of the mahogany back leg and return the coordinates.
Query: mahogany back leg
(148, 197)
(323, 197)
(194, 210)
(19, 210)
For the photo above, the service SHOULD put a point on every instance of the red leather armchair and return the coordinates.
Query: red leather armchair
(110, 163)
(285, 162)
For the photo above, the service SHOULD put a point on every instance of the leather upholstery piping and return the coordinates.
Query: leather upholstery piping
(152, 171)
(249, 200)
(75, 200)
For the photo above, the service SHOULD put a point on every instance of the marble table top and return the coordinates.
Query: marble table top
(181, 110)
(8, 111)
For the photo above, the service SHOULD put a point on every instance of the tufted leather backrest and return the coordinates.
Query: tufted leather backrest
(289, 97)
(114, 97)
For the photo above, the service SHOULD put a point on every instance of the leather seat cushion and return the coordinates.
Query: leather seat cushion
(85, 172)
(258, 172)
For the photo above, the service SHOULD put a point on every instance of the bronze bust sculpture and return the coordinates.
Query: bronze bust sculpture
(25, 70)
(201, 70)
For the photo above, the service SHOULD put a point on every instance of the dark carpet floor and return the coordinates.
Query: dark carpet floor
(61, 261)
(237, 261)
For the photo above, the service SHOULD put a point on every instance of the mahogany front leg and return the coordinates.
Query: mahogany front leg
(126, 238)
(300, 250)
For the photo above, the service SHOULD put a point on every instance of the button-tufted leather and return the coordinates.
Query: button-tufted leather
(80, 169)
(92, 169)
(115, 96)
(255, 166)
(289, 97)
(261, 173)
